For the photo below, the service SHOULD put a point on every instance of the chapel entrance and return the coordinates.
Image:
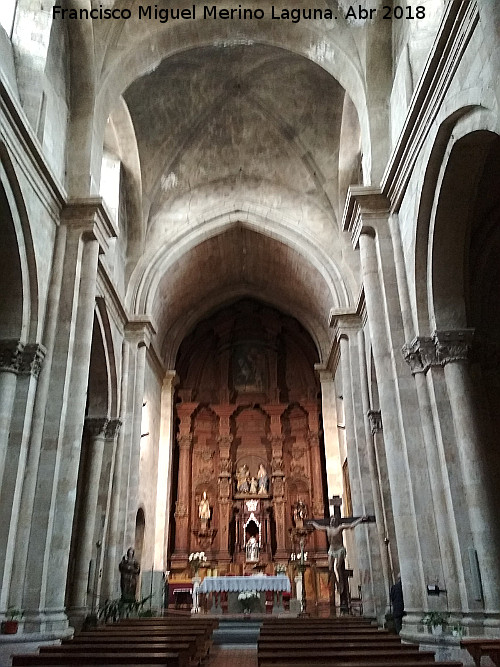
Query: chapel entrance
(248, 435)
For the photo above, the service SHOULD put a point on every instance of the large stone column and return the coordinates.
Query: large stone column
(355, 446)
(452, 351)
(420, 354)
(11, 352)
(110, 587)
(87, 229)
(94, 445)
(15, 462)
(138, 332)
(380, 560)
(330, 431)
(376, 428)
(164, 483)
(366, 217)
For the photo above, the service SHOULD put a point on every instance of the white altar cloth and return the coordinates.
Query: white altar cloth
(237, 584)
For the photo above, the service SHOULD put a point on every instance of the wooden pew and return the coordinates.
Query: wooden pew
(329, 663)
(99, 659)
(185, 651)
(479, 647)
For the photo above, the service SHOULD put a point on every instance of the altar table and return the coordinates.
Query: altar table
(234, 585)
(237, 584)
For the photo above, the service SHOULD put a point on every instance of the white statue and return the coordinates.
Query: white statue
(252, 550)
(204, 508)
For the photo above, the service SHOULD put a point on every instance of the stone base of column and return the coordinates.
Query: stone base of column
(77, 616)
(46, 622)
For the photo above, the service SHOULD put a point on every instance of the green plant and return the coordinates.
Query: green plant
(113, 610)
(13, 614)
(434, 618)
(457, 629)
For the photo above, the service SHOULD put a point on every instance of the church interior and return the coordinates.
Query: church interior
(249, 279)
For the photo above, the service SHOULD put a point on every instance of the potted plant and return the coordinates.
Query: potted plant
(435, 621)
(280, 569)
(11, 624)
(457, 629)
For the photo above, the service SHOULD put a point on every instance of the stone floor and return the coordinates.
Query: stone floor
(222, 656)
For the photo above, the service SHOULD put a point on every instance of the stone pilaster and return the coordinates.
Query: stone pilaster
(48, 501)
(110, 587)
(95, 435)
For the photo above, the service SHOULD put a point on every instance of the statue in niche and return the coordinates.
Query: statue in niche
(204, 508)
(263, 479)
(252, 550)
(253, 485)
(243, 479)
(129, 571)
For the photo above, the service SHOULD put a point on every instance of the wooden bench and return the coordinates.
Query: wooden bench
(337, 654)
(202, 639)
(364, 663)
(479, 647)
(184, 650)
(101, 659)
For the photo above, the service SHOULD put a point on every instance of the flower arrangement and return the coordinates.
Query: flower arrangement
(280, 568)
(434, 619)
(196, 559)
(248, 599)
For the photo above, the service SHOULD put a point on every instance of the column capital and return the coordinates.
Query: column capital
(11, 355)
(184, 441)
(32, 359)
(112, 428)
(420, 354)
(96, 426)
(139, 330)
(90, 216)
(225, 439)
(453, 345)
(375, 419)
(363, 207)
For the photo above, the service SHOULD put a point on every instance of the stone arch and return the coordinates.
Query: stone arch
(102, 321)
(465, 113)
(19, 301)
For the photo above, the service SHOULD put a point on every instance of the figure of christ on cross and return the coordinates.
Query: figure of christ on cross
(336, 549)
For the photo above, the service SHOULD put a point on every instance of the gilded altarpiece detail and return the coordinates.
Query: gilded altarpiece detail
(249, 438)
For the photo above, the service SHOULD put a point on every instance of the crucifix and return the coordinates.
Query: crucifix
(336, 550)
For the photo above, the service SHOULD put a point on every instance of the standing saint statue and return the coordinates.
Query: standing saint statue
(243, 479)
(204, 508)
(129, 571)
(253, 486)
(336, 550)
(263, 479)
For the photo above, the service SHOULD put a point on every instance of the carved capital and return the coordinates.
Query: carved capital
(112, 428)
(453, 345)
(375, 418)
(225, 440)
(96, 426)
(32, 359)
(185, 440)
(11, 353)
(420, 354)
(181, 509)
